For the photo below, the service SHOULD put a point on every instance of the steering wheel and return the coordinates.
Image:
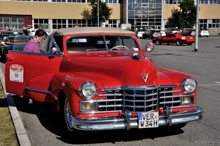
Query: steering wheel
(117, 48)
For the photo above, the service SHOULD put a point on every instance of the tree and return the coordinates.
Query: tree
(185, 17)
(104, 11)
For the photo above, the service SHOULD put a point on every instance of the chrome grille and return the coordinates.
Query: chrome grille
(166, 97)
(138, 98)
(133, 98)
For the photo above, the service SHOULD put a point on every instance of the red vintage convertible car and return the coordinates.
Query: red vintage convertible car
(174, 39)
(100, 79)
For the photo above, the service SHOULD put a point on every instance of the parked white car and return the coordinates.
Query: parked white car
(162, 33)
(140, 33)
(204, 33)
(175, 30)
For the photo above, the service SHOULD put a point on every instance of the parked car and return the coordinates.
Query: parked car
(174, 39)
(4, 34)
(151, 34)
(162, 33)
(101, 79)
(8, 43)
(204, 33)
(175, 30)
(140, 33)
(191, 32)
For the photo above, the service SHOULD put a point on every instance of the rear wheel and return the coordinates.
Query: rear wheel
(158, 42)
(179, 42)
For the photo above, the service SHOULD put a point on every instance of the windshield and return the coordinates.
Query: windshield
(101, 43)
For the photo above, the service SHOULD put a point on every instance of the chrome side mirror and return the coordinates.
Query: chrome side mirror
(54, 50)
(149, 47)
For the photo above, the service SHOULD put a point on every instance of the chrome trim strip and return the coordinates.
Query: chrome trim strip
(120, 105)
(173, 91)
(173, 96)
(130, 95)
(112, 100)
(131, 88)
(168, 118)
(167, 102)
(45, 91)
(97, 112)
(38, 90)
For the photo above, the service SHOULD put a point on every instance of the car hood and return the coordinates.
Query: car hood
(112, 69)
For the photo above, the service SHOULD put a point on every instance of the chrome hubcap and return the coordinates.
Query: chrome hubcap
(68, 116)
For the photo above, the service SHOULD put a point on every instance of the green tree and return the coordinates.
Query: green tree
(185, 17)
(104, 11)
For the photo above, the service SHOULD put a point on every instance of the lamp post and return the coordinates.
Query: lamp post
(98, 13)
(197, 23)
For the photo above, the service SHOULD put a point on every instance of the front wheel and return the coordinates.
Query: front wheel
(179, 42)
(158, 42)
(67, 116)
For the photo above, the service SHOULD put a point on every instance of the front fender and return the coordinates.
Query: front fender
(71, 86)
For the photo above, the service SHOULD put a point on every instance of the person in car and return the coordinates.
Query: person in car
(33, 45)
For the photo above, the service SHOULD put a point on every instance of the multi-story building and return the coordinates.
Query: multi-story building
(55, 14)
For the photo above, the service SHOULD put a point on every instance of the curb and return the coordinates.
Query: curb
(23, 139)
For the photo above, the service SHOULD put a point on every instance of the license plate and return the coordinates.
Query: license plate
(148, 120)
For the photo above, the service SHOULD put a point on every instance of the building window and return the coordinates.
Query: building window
(41, 24)
(15, 23)
(79, 22)
(111, 1)
(112, 23)
(209, 23)
(59, 23)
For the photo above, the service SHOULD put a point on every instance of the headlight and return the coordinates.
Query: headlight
(188, 85)
(88, 90)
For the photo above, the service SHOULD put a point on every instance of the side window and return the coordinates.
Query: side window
(20, 42)
(28, 44)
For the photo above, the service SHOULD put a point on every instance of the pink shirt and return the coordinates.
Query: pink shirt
(32, 47)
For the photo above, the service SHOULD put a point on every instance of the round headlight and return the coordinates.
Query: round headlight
(88, 90)
(188, 85)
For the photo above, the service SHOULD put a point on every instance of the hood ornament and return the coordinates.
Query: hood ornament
(144, 76)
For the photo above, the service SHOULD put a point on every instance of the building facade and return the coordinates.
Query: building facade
(144, 14)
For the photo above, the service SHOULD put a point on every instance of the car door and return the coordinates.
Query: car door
(22, 67)
(166, 39)
(173, 38)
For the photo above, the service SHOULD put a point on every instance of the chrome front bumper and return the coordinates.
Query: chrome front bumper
(169, 118)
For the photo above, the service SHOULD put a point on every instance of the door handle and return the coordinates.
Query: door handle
(9, 58)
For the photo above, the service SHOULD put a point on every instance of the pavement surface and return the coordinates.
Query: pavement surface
(44, 127)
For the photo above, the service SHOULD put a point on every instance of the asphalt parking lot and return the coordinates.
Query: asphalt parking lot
(44, 127)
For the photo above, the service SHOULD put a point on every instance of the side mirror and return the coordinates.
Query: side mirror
(54, 50)
(149, 47)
